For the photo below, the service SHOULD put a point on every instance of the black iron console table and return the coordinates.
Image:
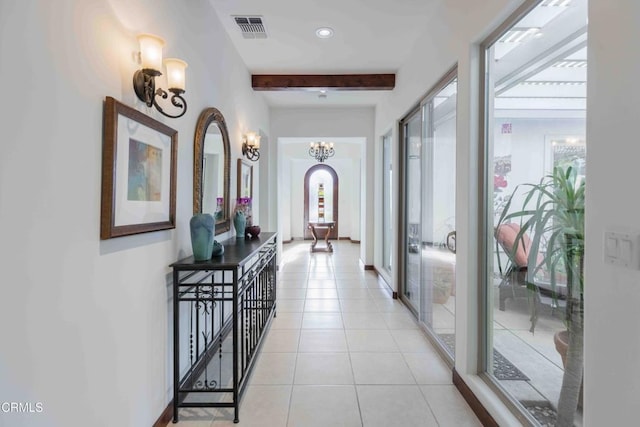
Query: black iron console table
(221, 309)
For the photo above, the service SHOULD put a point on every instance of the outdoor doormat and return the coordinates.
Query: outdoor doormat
(542, 412)
(502, 368)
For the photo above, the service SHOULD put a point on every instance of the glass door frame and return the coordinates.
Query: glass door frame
(387, 201)
(442, 83)
(402, 211)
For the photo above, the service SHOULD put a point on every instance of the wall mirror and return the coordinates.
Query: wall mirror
(245, 179)
(211, 168)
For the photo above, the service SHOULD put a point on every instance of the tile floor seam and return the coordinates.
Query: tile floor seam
(293, 380)
(353, 374)
(355, 386)
(429, 404)
(410, 370)
(295, 364)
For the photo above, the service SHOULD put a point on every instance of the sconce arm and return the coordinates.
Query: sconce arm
(176, 100)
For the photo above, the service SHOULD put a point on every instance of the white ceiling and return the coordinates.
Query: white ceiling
(370, 36)
(377, 36)
(333, 99)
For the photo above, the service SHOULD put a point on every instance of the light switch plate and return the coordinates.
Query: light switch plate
(622, 248)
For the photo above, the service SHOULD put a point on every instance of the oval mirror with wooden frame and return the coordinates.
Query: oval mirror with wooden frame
(211, 168)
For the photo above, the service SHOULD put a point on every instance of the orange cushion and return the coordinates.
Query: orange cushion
(506, 235)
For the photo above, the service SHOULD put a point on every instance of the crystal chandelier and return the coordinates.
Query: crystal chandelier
(321, 150)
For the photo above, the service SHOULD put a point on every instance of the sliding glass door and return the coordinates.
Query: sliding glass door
(413, 189)
(429, 154)
(438, 215)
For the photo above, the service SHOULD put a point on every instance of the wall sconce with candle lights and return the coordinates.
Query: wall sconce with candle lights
(251, 146)
(144, 79)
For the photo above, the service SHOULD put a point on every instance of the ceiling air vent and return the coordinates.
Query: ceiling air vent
(252, 27)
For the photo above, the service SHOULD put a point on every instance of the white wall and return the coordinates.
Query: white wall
(328, 123)
(86, 322)
(612, 294)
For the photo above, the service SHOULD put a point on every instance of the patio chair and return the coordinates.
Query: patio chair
(515, 281)
(514, 277)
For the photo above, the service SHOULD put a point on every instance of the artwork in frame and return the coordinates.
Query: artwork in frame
(245, 179)
(138, 172)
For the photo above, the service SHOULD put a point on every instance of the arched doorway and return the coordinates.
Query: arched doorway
(320, 179)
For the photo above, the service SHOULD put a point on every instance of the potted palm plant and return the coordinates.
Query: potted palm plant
(552, 214)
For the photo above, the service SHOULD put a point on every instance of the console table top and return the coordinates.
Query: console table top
(237, 251)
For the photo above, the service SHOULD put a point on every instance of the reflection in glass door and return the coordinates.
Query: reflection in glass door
(429, 147)
(413, 187)
(387, 203)
(438, 215)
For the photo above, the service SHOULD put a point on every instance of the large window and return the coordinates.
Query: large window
(535, 98)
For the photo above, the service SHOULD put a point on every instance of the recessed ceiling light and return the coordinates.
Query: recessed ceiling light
(324, 32)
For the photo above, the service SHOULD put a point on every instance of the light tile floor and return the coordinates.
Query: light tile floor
(341, 352)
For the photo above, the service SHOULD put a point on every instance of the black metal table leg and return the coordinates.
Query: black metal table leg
(176, 344)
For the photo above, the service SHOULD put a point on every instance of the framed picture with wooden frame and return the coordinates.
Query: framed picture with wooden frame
(245, 179)
(139, 156)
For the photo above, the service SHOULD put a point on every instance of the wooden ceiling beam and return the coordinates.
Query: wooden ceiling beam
(277, 82)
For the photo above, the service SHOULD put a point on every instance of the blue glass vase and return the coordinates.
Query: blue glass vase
(240, 223)
(218, 249)
(202, 233)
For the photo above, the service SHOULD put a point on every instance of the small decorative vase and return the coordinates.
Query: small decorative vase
(218, 249)
(202, 226)
(252, 231)
(240, 223)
